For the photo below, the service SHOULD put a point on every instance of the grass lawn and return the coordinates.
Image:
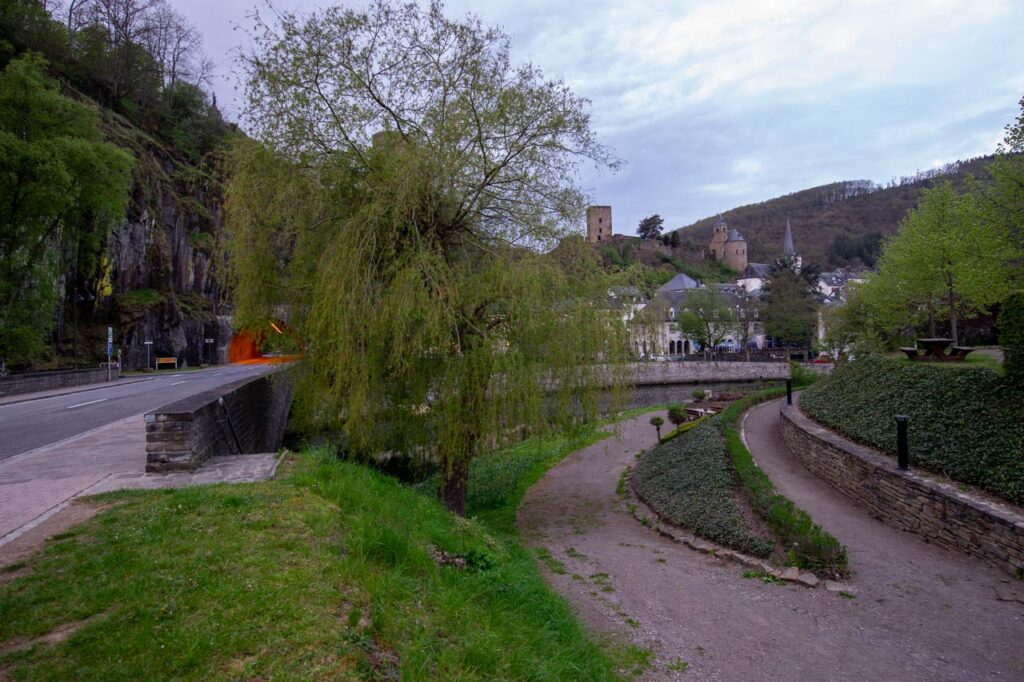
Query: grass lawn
(331, 571)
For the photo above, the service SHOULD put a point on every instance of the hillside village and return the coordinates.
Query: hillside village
(731, 312)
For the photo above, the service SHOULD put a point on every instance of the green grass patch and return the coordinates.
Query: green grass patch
(807, 544)
(689, 483)
(333, 572)
(139, 300)
(964, 420)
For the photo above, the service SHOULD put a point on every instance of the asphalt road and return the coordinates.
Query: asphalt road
(32, 424)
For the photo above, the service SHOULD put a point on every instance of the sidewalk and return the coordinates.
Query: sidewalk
(38, 484)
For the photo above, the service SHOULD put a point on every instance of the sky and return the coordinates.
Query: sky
(713, 104)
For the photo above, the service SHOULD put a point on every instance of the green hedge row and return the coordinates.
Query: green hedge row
(688, 482)
(808, 546)
(681, 429)
(965, 422)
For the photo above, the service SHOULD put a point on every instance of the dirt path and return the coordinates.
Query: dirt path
(932, 616)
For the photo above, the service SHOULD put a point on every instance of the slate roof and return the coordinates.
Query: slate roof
(735, 236)
(680, 282)
(758, 270)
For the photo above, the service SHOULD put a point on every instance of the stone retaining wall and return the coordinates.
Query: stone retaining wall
(244, 417)
(699, 372)
(31, 382)
(906, 500)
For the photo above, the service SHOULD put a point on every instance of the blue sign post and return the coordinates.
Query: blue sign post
(110, 348)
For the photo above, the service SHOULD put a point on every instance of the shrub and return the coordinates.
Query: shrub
(677, 414)
(699, 394)
(1011, 337)
(802, 376)
(964, 421)
(675, 433)
(689, 484)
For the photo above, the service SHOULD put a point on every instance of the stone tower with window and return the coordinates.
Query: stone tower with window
(599, 224)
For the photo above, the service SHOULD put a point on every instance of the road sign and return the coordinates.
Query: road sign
(110, 348)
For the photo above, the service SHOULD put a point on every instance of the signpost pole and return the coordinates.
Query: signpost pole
(110, 348)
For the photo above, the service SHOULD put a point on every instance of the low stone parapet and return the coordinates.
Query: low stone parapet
(32, 382)
(906, 500)
(702, 372)
(243, 417)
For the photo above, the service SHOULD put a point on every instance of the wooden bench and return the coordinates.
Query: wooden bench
(912, 353)
(167, 361)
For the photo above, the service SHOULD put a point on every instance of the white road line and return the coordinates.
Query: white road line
(71, 407)
(179, 382)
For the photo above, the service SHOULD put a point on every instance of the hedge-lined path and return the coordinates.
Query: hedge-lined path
(690, 608)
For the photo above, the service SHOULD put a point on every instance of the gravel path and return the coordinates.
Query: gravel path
(920, 612)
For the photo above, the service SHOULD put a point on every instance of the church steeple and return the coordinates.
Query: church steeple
(787, 243)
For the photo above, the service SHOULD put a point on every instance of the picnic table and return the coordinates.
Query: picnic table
(934, 350)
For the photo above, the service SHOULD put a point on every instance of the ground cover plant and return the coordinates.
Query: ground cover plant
(688, 482)
(335, 571)
(964, 421)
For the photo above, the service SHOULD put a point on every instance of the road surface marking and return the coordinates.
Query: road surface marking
(179, 382)
(70, 407)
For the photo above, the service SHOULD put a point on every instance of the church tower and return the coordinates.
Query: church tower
(718, 239)
(599, 224)
(789, 253)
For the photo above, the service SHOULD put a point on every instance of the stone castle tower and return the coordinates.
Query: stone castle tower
(728, 246)
(718, 239)
(599, 224)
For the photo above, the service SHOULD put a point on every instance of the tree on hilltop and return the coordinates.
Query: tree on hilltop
(650, 227)
(407, 179)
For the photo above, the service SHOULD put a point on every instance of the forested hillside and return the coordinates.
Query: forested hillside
(833, 225)
(140, 251)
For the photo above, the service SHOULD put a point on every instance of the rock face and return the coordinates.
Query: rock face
(163, 277)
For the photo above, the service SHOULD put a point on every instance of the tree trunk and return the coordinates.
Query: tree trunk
(952, 311)
(455, 484)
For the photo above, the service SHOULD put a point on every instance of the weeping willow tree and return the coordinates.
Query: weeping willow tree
(397, 210)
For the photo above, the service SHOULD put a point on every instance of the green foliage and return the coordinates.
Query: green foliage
(677, 414)
(682, 428)
(62, 188)
(138, 301)
(699, 393)
(964, 421)
(412, 258)
(802, 376)
(1011, 337)
(689, 483)
(707, 317)
(790, 312)
(363, 594)
(945, 261)
(650, 227)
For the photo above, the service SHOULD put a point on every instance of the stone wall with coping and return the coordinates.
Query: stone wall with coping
(31, 382)
(243, 417)
(906, 500)
(702, 372)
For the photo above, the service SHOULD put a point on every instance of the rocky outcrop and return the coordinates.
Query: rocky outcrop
(163, 276)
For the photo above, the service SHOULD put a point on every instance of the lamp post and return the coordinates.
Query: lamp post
(209, 355)
(147, 344)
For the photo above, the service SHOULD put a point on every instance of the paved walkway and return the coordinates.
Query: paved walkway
(921, 613)
(38, 484)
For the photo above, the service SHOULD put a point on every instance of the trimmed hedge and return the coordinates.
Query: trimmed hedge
(808, 545)
(681, 429)
(1011, 337)
(965, 422)
(688, 483)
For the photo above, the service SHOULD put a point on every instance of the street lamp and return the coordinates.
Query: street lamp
(209, 355)
(147, 344)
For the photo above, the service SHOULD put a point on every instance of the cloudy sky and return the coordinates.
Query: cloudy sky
(713, 104)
